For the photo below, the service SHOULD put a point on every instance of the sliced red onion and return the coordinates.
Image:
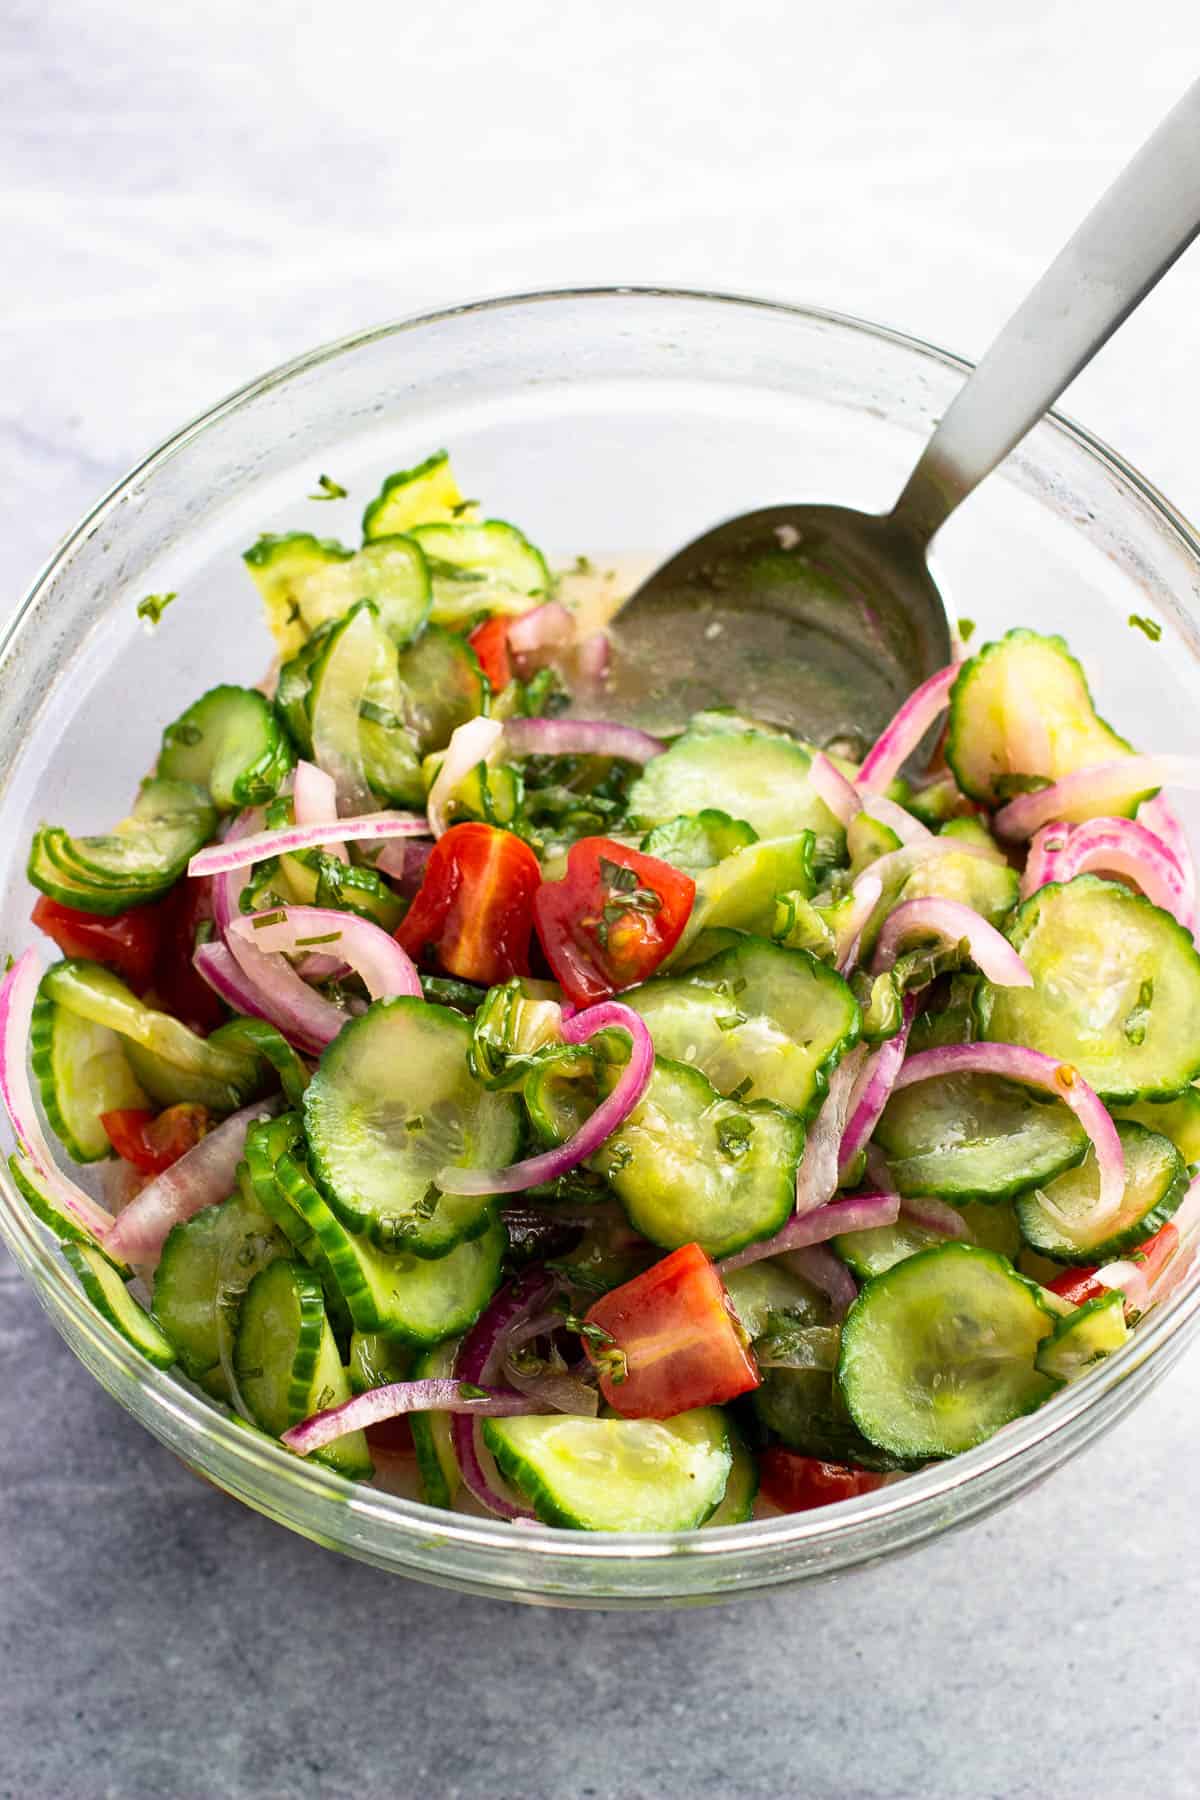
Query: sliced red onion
(393, 1401)
(831, 786)
(1045, 859)
(608, 1117)
(952, 923)
(537, 636)
(202, 1176)
(579, 737)
(227, 889)
(337, 747)
(479, 1358)
(863, 1212)
(314, 801)
(1105, 789)
(818, 1264)
(404, 863)
(1014, 1063)
(307, 1020)
(817, 1176)
(872, 1090)
(243, 852)
(471, 744)
(1114, 847)
(17, 995)
(906, 828)
(385, 969)
(593, 657)
(892, 749)
(1160, 817)
(935, 1215)
(889, 873)
(866, 893)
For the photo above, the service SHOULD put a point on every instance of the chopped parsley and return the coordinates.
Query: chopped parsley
(329, 489)
(154, 606)
(1150, 627)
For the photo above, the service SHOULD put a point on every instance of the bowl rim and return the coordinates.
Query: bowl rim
(259, 1458)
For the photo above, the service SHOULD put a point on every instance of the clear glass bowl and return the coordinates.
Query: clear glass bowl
(608, 421)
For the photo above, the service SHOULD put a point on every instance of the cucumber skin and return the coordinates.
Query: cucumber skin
(41, 1056)
(1151, 1221)
(260, 780)
(143, 1333)
(310, 1305)
(65, 1229)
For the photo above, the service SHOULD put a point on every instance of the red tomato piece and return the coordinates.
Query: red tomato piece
(127, 942)
(180, 988)
(153, 1142)
(672, 1341)
(797, 1483)
(612, 918)
(473, 912)
(1077, 1285)
(1080, 1285)
(489, 641)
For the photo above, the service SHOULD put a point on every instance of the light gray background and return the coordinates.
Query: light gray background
(190, 193)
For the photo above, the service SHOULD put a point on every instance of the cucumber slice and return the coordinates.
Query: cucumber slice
(287, 1362)
(307, 581)
(938, 1352)
(109, 1295)
(426, 495)
(314, 878)
(970, 830)
(867, 839)
(768, 1023)
(803, 1407)
(392, 1102)
(767, 1287)
(441, 686)
(751, 775)
(415, 1299)
(1177, 1119)
(231, 743)
(1116, 990)
(988, 888)
(377, 1362)
(1058, 1220)
(481, 568)
(1085, 1336)
(136, 862)
(616, 1474)
(741, 892)
(741, 1488)
(43, 1206)
(81, 1072)
(1029, 672)
(436, 1462)
(867, 1253)
(696, 841)
(266, 1142)
(206, 1263)
(970, 1137)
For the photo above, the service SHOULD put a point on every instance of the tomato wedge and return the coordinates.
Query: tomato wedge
(489, 641)
(127, 942)
(473, 912)
(797, 1483)
(667, 1340)
(152, 1142)
(612, 918)
(1080, 1285)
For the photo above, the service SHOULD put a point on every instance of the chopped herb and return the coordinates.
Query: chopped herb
(742, 1089)
(187, 735)
(279, 813)
(731, 1021)
(584, 566)
(327, 937)
(293, 612)
(613, 1364)
(1151, 627)
(416, 1123)
(733, 1137)
(330, 489)
(441, 570)
(468, 1391)
(462, 506)
(620, 1158)
(325, 1398)
(154, 606)
(279, 917)
(966, 630)
(618, 876)
(9, 961)
(1138, 1016)
(379, 715)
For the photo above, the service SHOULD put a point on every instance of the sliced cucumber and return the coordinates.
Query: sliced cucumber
(696, 841)
(1025, 673)
(991, 1224)
(441, 686)
(392, 1102)
(314, 878)
(1116, 990)
(111, 1298)
(375, 1361)
(81, 1071)
(1083, 1337)
(976, 1137)
(1059, 1220)
(266, 1142)
(616, 1474)
(136, 862)
(206, 1264)
(43, 1205)
(231, 743)
(767, 1287)
(770, 1023)
(1178, 1119)
(868, 839)
(939, 1352)
(741, 1488)
(751, 775)
(426, 495)
(741, 893)
(970, 830)
(988, 888)
(437, 1463)
(306, 581)
(804, 1408)
(481, 568)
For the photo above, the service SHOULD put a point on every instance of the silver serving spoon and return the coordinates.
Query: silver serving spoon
(821, 619)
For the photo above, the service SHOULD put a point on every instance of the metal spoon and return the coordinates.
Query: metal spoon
(820, 618)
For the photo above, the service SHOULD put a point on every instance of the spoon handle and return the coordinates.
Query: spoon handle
(1129, 240)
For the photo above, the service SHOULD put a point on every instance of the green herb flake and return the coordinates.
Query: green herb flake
(325, 1398)
(379, 715)
(152, 608)
(416, 1123)
(271, 918)
(187, 735)
(620, 1157)
(733, 1137)
(328, 937)
(1150, 627)
(1138, 1017)
(966, 630)
(731, 1021)
(742, 1089)
(467, 1390)
(329, 489)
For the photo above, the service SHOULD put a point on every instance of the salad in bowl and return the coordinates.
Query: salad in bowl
(497, 1102)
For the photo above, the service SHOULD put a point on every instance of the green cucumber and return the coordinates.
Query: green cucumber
(487, 567)
(741, 892)
(81, 1071)
(741, 1488)
(988, 887)
(967, 1137)
(1033, 673)
(616, 1474)
(230, 742)
(375, 1361)
(391, 1103)
(494, 795)
(1058, 1219)
(866, 1253)
(112, 1299)
(306, 581)
(804, 1409)
(206, 1264)
(437, 1463)
(1116, 990)
(440, 686)
(425, 495)
(696, 841)
(266, 1142)
(44, 1206)
(868, 839)
(751, 775)
(768, 1023)
(314, 878)
(939, 1351)
(770, 1286)
(1177, 1119)
(1084, 1336)
(138, 861)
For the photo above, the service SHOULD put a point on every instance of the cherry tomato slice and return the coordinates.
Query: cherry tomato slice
(473, 913)
(797, 1483)
(127, 942)
(489, 641)
(153, 1142)
(1077, 1285)
(612, 918)
(672, 1341)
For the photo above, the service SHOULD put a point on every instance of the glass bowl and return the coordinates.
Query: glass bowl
(606, 422)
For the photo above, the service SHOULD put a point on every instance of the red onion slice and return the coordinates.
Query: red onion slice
(867, 892)
(386, 970)
(393, 1401)
(337, 748)
(935, 1215)
(818, 1264)
(580, 737)
(896, 743)
(952, 923)
(476, 742)
(1160, 817)
(863, 1212)
(1112, 847)
(537, 636)
(1104, 789)
(831, 786)
(817, 1176)
(480, 1355)
(307, 1020)
(908, 829)
(872, 1090)
(314, 801)
(202, 1176)
(607, 1118)
(404, 863)
(17, 995)
(1014, 1063)
(1045, 859)
(243, 852)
